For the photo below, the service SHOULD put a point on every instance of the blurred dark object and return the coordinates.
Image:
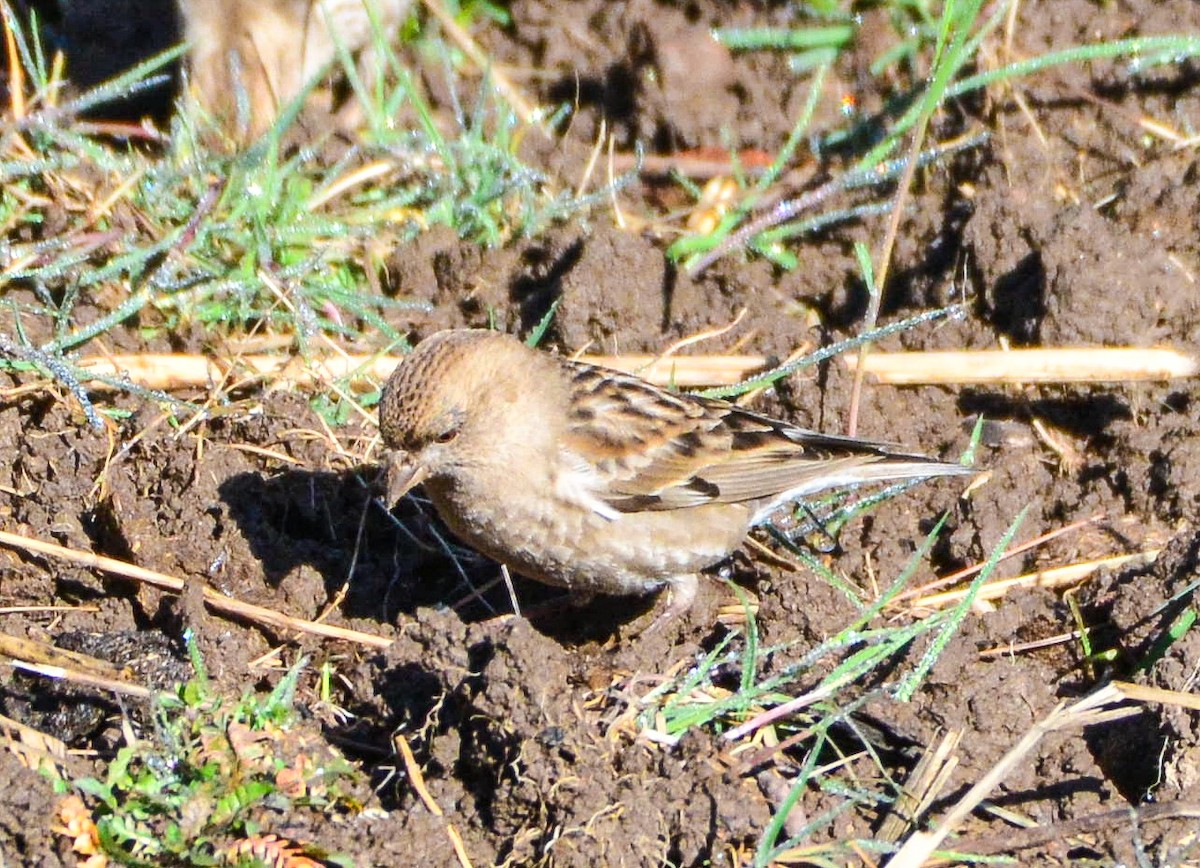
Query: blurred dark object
(103, 38)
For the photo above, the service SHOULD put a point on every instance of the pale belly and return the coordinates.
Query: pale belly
(632, 553)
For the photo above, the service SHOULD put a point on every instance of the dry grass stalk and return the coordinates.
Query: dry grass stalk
(32, 747)
(50, 661)
(15, 610)
(1056, 577)
(36, 651)
(966, 573)
(417, 779)
(1012, 649)
(87, 679)
(1101, 706)
(1014, 367)
(217, 602)
(779, 712)
(926, 780)
(167, 371)
(1143, 693)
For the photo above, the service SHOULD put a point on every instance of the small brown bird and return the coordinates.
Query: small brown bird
(270, 49)
(595, 480)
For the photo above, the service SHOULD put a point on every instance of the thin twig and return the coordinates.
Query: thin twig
(1094, 708)
(418, 782)
(966, 573)
(1055, 577)
(1015, 840)
(1045, 365)
(216, 602)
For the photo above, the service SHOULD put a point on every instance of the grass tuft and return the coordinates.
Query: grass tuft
(212, 782)
(276, 241)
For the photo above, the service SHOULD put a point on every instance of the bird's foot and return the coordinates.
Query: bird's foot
(682, 593)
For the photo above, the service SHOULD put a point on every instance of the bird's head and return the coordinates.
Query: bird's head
(462, 399)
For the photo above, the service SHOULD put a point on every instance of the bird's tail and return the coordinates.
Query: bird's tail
(860, 470)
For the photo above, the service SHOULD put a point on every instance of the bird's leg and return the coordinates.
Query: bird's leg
(681, 591)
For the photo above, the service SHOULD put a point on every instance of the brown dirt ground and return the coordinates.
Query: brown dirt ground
(1070, 226)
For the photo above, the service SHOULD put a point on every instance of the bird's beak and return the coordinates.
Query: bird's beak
(403, 474)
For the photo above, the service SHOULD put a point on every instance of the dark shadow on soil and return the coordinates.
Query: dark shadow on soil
(1129, 752)
(1080, 415)
(1140, 610)
(296, 517)
(613, 93)
(406, 559)
(1016, 304)
(540, 285)
(337, 526)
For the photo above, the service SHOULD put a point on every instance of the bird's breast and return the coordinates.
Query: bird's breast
(560, 537)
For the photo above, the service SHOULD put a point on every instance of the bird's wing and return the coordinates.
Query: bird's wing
(648, 449)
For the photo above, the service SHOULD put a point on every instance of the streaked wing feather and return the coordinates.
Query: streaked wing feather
(754, 477)
(642, 439)
(659, 451)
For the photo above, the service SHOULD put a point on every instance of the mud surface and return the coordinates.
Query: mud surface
(1070, 226)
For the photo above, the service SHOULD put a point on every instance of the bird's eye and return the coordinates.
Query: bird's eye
(447, 436)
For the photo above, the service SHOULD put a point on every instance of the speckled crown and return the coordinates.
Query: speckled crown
(408, 398)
